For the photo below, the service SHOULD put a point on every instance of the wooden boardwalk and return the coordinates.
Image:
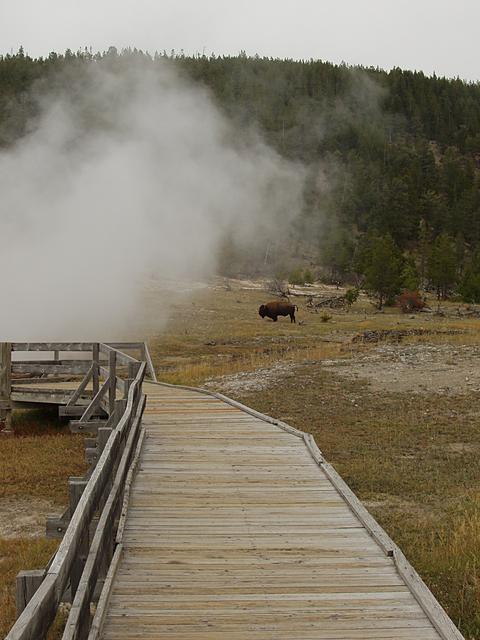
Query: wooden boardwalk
(235, 531)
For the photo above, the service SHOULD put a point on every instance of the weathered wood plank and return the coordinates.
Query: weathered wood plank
(27, 583)
(5, 385)
(236, 526)
(51, 346)
(112, 388)
(146, 356)
(78, 410)
(95, 367)
(35, 619)
(95, 404)
(101, 610)
(67, 367)
(40, 611)
(122, 357)
(92, 426)
(128, 486)
(40, 396)
(102, 547)
(76, 395)
(239, 529)
(128, 346)
(121, 385)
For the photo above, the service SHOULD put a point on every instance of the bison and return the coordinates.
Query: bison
(278, 308)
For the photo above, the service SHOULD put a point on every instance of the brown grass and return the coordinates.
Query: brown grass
(412, 459)
(196, 373)
(402, 456)
(35, 463)
(220, 332)
(444, 546)
(39, 459)
(16, 555)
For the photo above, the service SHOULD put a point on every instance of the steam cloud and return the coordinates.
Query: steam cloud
(128, 171)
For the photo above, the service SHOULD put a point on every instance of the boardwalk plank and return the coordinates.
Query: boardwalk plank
(234, 531)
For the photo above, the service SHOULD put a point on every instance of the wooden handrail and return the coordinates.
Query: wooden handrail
(5, 384)
(52, 346)
(56, 365)
(121, 356)
(103, 542)
(67, 567)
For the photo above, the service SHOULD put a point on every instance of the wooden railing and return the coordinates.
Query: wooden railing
(109, 402)
(5, 384)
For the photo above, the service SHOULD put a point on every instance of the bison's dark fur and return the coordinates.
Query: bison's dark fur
(278, 308)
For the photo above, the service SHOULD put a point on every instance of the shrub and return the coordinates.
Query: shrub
(470, 287)
(351, 296)
(325, 317)
(296, 277)
(300, 276)
(307, 277)
(278, 287)
(410, 301)
(382, 267)
(410, 277)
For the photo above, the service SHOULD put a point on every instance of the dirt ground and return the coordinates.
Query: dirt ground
(23, 517)
(415, 368)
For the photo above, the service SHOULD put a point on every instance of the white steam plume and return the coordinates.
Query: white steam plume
(129, 171)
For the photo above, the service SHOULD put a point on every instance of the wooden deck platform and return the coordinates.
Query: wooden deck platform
(235, 530)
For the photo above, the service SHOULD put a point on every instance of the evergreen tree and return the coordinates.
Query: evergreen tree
(383, 269)
(470, 284)
(336, 253)
(407, 167)
(410, 276)
(442, 266)
(423, 249)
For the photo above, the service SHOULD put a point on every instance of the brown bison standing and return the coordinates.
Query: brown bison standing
(278, 308)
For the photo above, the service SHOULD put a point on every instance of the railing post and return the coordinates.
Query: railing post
(76, 487)
(103, 435)
(120, 406)
(112, 391)
(26, 584)
(6, 386)
(145, 355)
(75, 490)
(132, 372)
(96, 366)
(80, 559)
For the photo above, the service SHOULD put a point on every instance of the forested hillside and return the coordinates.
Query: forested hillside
(393, 158)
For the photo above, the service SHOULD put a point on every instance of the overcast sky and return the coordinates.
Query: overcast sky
(432, 35)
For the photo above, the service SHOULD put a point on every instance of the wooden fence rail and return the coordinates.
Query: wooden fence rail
(105, 369)
(89, 526)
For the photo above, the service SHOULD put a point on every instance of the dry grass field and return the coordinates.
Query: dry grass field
(34, 468)
(398, 418)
